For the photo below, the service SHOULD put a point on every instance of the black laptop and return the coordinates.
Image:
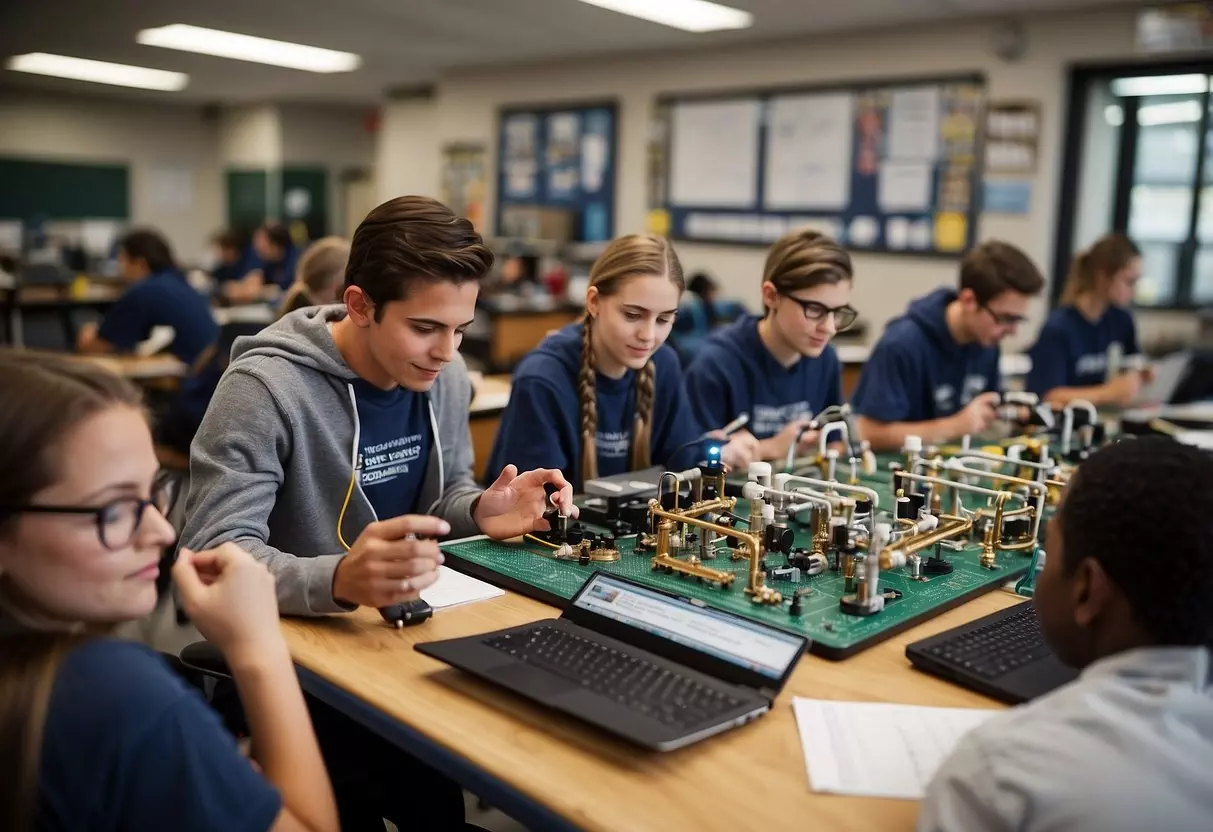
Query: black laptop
(652, 667)
(1003, 655)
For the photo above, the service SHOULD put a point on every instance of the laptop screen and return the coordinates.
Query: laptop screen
(749, 645)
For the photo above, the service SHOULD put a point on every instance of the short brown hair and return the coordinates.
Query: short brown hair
(413, 238)
(323, 264)
(804, 259)
(995, 267)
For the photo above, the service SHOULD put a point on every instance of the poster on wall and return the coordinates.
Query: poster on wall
(464, 172)
(520, 158)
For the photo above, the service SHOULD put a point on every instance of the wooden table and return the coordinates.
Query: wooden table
(508, 330)
(150, 368)
(62, 298)
(549, 771)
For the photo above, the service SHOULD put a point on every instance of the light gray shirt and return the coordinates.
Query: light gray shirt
(1126, 747)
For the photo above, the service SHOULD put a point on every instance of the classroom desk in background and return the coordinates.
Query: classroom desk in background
(64, 299)
(551, 772)
(506, 329)
(153, 370)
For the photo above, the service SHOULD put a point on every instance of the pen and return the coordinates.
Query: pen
(736, 425)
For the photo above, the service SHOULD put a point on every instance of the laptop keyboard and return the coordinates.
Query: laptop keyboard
(997, 648)
(658, 692)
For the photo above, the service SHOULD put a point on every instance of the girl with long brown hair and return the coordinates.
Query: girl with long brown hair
(100, 733)
(1070, 359)
(606, 395)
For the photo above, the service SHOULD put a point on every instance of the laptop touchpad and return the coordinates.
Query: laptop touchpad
(530, 680)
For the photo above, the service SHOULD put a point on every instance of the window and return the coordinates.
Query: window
(1139, 161)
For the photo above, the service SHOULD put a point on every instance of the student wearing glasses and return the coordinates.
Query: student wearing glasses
(100, 733)
(934, 372)
(1070, 356)
(780, 368)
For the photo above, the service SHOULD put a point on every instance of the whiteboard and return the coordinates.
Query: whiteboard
(714, 146)
(808, 162)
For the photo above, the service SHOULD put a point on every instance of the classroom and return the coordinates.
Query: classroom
(606, 415)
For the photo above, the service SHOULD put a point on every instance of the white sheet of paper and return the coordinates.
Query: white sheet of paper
(876, 749)
(714, 154)
(904, 186)
(11, 233)
(914, 124)
(454, 588)
(808, 162)
(171, 187)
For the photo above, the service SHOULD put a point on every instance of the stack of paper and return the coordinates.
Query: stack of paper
(874, 749)
(454, 588)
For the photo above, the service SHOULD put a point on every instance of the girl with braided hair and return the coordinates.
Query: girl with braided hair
(605, 395)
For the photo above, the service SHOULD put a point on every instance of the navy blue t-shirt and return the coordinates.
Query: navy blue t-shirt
(162, 299)
(394, 438)
(236, 270)
(918, 372)
(128, 744)
(541, 427)
(735, 373)
(1071, 351)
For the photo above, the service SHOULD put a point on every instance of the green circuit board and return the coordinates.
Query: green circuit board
(530, 569)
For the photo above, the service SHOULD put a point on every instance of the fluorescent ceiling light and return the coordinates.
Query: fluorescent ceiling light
(99, 72)
(1177, 112)
(1160, 85)
(691, 15)
(248, 48)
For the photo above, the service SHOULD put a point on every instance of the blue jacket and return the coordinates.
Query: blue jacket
(918, 372)
(541, 427)
(734, 373)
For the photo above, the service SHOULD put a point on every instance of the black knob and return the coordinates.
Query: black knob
(779, 538)
(841, 535)
(917, 501)
(863, 507)
(905, 509)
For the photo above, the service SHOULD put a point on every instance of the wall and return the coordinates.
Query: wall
(250, 136)
(331, 137)
(466, 105)
(147, 137)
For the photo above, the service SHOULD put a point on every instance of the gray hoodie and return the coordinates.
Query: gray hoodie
(273, 459)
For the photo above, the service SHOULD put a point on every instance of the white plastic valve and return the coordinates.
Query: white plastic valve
(781, 481)
(759, 472)
(913, 444)
(753, 491)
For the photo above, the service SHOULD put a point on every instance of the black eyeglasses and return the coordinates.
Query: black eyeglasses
(1005, 318)
(117, 521)
(844, 316)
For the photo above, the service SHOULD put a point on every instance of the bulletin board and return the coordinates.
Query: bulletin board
(889, 167)
(561, 157)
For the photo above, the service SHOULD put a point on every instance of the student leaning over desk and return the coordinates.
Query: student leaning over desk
(158, 296)
(101, 734)
(606, 395)
(1071, 354)
(934, 372)
(1127, 595)
(336, 450)
(780, 368)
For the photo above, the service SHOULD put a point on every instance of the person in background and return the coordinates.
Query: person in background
(1127, 746)
(231, 256)
(319, 277)
(780, 368)
(100, 733)
(1070, 356)
(274, 265)
(605, 395)
(335, 450)
(159, 296)
(934, 372)
(701, 311)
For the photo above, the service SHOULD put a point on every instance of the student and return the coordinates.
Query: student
(231, 256)
(934, 372)
(273, 264)
(1128, 745)
(1070, 356)
(336, 451)
(606, 395)
(100, 733)
(780, 368)
(159, 296)
(319, 277)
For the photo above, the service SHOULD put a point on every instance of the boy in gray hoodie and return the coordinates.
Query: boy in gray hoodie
(336, 448)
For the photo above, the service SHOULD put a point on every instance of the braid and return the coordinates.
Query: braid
(642, 430)
(587, 392)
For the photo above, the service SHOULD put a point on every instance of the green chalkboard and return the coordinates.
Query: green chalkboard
(62, 191)
(247, 198)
